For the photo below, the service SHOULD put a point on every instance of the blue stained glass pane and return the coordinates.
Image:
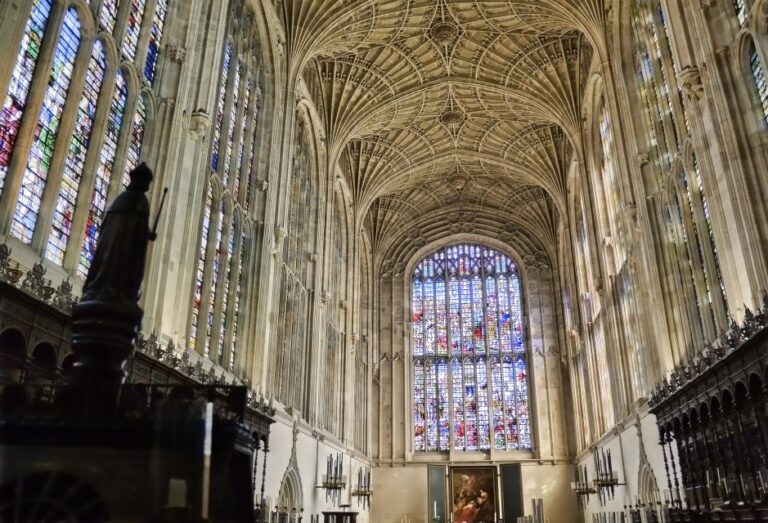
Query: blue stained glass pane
(443, 429)
(758, 74)
(240, 285)
(103, 177)
(417, 320)
(78, 148)
(198, 293)
(217, 261)
(419, 408)
(108, 15)
(241, 147)
(18, 89)
(132, 29)
(742, 12)
(497, 405)
(155, 37)
(228, 268)
(41, 153)
(457, 399)
(138, 127)
(231, 126)
(252, 154)
(216, 144)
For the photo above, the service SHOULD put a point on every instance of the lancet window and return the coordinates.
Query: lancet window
(470, 368)
(758, 75)
(42, 180)
(689, 234)
(608, 182)
(290, 358)
(742, 11)
(223, 241)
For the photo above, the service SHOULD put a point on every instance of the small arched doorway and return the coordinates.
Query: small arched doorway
(290, 504)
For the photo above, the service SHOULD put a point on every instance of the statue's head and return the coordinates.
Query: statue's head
(140, 177)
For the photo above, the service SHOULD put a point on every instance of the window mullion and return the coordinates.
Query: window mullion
(225, 257)
(232, 302)
(449, 340)
(7, 67)
(85, 192)
(144, 36)
(34, 101)
(210, 252)
(61, 147)
(123, 11)
(118, 179)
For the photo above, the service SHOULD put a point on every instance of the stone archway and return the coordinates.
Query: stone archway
(290, 500)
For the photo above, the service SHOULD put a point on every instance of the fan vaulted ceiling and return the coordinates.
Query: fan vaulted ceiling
(448, 115)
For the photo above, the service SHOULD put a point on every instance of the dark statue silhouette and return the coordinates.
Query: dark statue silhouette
(117, 268)
(106, 320)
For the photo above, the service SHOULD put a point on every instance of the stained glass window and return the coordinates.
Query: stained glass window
(469, 364)
(667, 126)
(758, 74)
(132, 29)
(252, 154)
(155, 35)
(103, 176)
(228, 268)
(215, 272)
(138, 126)
(220, 107)
(75, 162)
(199, 275)
(742, 11)
(16, 99)
(108, 15)
(46, 131)
(241, 148)
(231, 126)
(240, 282)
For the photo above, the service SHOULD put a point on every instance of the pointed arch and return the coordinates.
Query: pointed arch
(469, 356)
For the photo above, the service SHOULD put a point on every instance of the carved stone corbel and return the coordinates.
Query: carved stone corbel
(690, 82)
(199, 123)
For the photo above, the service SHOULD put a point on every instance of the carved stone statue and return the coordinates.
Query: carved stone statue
(106, 321)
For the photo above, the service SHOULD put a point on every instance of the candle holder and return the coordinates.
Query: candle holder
(334, 481)
(607, 479)
(363, 490)
(582, 487)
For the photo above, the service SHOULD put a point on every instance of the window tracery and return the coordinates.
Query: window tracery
(41, 153)
(223, 240)
(667, 128)
(155, 36)
(21, 79)
(68, 135)
(742, 11)
(295, 282)
(73, 167)
(759, 78)
(470, 384)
